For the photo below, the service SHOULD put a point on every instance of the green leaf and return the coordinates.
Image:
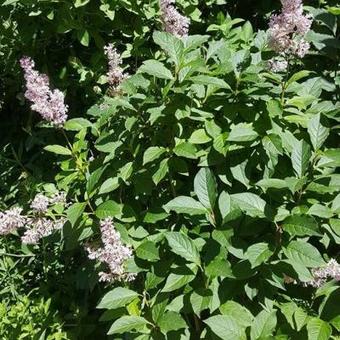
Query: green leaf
(152, 153)
(298, 225)
(80, 3)
(250, 203)
(242, 133)
(336, 205)
(297, 76)
(205, 187)
(116, 298)
(226, 327)
(172, 45)
(185, 205)
(318, 329)
(161, 172)
(272, 183)
(317, 132)
(108, 209)
(320, 211)
(93, 179)
(199, 137)
(171, 321)
(183, 246)
(207, 80)
(84, 37)
(179, 279)
(240, 313)
(304, 254)
(263, 325)
(147, 250)
(219, 267)
(186, 150)
(200, 300)
(258, 253)
(156, 69)
(301, 156)
(58, 149)
(77, 124)
(74, 212)
(229, 209)
(128, 323)
(109, 185)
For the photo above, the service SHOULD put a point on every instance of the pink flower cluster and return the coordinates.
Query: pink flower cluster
(39, 227)
(49, 104)
(173, 21)
(112, 253)
(36, 227)
(115, 74)
(11, 220)
(287, 30)
(320, 275)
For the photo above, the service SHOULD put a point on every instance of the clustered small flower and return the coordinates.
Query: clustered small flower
(49, 104)
(40, 203)
(320, 275)
(40, 227)
(11, 220)
(115, 74)
(287, 30)
(173, 21)
(113, 254)
(277, 65)
(36, 227)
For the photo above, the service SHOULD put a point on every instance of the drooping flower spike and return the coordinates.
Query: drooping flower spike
(113, 254)
(49, 104)
(115, 73)
(173, 21)
(288, 29)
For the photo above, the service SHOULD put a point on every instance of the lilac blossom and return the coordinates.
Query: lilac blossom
(320, 275)
(40, 203)
(40, 227)
(173, 21)
(11, 220)
(49, 104)
(287, 30)
(58, 198)
(112, 253)
(276, 65)
(115, 74)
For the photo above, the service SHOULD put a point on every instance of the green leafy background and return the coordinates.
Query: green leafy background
(223, 177)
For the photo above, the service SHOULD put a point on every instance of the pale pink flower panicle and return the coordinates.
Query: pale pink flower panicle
(11, 220)
(49, 104)
(40, 227)
(277, 65)
(115, 73)
(287, 29)
(173, 21)
(320, 275)
(113, 253)
(40, 203)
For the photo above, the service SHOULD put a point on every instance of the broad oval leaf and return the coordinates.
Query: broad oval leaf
(304, 254)
(205, 187)
(185, 205)
(108, 209)
(128, 323)
(116, 298)
(252, 204)
(155, 68)
(226, 327)
(183, 246)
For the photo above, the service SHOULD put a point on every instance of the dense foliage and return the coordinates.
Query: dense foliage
(192, 192)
